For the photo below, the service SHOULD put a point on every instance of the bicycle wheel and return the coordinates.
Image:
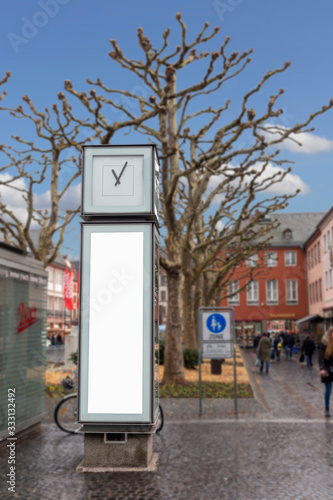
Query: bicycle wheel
(160, 420)
(65, 414)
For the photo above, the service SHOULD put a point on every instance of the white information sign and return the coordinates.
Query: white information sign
(216, 334)
(217, 351)
(216, 337)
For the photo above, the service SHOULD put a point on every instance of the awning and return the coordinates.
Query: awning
(308, 318)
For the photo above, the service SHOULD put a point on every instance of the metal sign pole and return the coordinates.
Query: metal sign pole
(235, 369)
(199, 352)
(215, 325)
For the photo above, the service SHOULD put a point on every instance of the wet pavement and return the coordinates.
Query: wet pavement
(279, 446)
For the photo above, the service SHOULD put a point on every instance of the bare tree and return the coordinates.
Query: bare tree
(56, 151)
(40, 163)
(204, 156)
(192, 159)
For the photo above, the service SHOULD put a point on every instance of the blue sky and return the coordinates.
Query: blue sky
(44, 42)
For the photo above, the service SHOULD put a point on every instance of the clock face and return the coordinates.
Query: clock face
(118, 181)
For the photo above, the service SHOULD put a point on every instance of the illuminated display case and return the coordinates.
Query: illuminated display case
(118, 323)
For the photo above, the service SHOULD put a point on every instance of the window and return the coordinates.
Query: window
(328, 240)
(271, 259)
(330, 278)
(316, 291)
(325, 248)
(58, 303)
(320, 291)
(50, 275)
(310, 294)
(291, 292)
(290, 258)
(252, 261)
(308, 256)
(50, 303)
(59, 278)
(287, 234)
(326, 280)
(233, 291)
(311, 258)
(163, 280)
(252, 293)
(163, 296)
(318, 246)
(272, 292)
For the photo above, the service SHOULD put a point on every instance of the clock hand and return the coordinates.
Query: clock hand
(114, 173)
(121, 173)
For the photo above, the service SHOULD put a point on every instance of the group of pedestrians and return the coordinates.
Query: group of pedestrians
(269, 348)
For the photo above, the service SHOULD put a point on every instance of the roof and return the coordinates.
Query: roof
(302, 225)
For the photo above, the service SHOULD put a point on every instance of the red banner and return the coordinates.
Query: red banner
(68, 289)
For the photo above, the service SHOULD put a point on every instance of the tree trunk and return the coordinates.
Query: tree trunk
(173, 354)
(190, 334)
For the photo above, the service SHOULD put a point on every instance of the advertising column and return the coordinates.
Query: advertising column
(118, 401)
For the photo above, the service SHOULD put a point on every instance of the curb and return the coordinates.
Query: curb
(257, 391)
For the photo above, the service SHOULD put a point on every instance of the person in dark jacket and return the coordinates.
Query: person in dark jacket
(326, 366)
(308, 348)
(289, 344)
(256, 341)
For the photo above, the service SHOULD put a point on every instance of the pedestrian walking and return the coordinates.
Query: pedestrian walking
(278, 343)
(264, 352)
(326, 366)
(272, 341)
(308, 348)
(256, 341)
(289, 344)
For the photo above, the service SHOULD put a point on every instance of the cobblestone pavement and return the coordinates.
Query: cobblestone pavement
(279, 447)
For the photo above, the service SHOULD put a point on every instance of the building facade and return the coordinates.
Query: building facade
(319, 258)
(276, 298)
(58, 318)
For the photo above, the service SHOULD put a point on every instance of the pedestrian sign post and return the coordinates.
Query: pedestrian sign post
(216, 339)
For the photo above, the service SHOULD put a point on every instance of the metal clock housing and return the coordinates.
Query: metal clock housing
(120, 180)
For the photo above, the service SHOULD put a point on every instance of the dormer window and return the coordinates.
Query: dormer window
(288, 234)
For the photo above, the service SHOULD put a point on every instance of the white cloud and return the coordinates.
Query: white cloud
(288, 185)
(71, 199)
(219, 225)
(13, 199)
(311, 143)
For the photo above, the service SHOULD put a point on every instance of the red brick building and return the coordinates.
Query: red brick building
(277, 296)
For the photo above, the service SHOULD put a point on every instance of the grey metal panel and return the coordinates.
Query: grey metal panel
(22, 340)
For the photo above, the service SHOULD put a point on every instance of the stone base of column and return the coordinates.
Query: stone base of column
(103, 453)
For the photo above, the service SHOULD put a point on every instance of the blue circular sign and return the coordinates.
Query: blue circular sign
(216, 323)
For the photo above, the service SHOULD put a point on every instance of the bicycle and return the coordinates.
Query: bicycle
(65, 413)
